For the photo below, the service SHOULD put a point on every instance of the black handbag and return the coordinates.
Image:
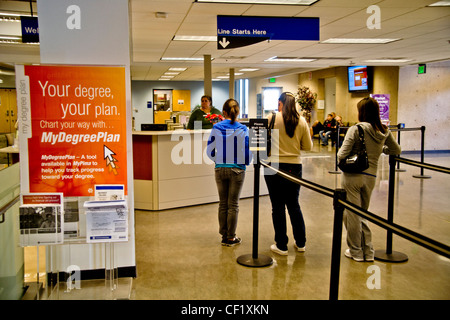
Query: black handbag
(358, 161)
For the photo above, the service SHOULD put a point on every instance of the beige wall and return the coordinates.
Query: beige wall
(385, 80)
(416, 100)
(424, 100)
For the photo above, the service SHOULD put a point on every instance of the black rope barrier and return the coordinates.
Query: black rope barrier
(388, 255)
(423, 165)
(340, 204)
(394, 128)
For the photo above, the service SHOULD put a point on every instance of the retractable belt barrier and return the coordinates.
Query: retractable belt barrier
(393, 128)
(340, 203)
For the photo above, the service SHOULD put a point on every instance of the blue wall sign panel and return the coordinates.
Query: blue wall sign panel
(30, 29)
(238, 31)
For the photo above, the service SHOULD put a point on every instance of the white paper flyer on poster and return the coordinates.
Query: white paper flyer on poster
(106, 221)
(41, 217)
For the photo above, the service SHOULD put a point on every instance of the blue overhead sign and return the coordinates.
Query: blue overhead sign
(238, 31)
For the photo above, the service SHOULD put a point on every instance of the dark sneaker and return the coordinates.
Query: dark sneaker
(233, 242)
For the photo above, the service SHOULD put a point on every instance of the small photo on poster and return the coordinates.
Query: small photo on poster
(41, 219)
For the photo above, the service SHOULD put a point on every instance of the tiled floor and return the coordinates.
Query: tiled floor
(179, 255)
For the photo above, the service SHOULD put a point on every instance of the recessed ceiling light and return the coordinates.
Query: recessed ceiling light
(9, 38)
(387, 60)
(289, 59)
(249, 69)
(181, 59)
(163, 79)
(177, 69)
(171, 73)
(167, 77)
(290, 2)
(195, 38)
(223, 77)
(358, 41)
(440, 4)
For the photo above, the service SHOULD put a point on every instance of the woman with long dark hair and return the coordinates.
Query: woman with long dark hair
(359, 186)
(290, 135)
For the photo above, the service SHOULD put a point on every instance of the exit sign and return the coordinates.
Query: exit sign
(272, 80)
(422, 69)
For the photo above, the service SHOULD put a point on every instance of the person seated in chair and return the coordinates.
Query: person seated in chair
(329, 125)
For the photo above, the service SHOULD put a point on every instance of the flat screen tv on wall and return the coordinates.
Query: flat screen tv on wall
(359, 78)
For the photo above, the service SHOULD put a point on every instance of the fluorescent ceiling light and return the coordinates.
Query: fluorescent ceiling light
(163, 79)
(358, 40)
(167, 77)
(249, 69)
(9, 38)
(177, 69)
(289, 59)
(181, 59)
(223, 77)
(440, 4)
(195, 38)
(171, 73)
(290, 2)
(388, 60)
(10, 14)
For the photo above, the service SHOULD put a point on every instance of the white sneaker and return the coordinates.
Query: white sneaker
(275, 249)
(299, 249)
(349, 255)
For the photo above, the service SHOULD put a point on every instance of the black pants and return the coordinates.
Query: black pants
(284, 194)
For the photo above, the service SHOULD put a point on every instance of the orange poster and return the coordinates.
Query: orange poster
(73, 126)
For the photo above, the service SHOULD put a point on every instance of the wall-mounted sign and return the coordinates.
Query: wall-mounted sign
(72, 128)
(239, 31)
(383, 101)
(30, 29)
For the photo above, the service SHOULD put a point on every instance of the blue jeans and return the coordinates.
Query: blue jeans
(324, 136)
(284, 194)
(229, 185)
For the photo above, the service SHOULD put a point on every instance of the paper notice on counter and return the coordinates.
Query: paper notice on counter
(106, 221)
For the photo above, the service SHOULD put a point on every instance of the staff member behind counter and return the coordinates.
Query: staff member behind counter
(201, 113)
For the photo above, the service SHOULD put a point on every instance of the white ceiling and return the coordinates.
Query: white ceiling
(424, 34)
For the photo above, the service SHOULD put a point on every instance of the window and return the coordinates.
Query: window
(241, 94)
(270, 98)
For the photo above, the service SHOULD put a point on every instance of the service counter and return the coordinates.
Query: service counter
(171, 170)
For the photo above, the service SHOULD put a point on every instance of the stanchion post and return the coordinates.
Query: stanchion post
(422, 154)
(388, 255)
(257, 168)
(339, 194)
(399, 126)
(336, 171)
(255, 259)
